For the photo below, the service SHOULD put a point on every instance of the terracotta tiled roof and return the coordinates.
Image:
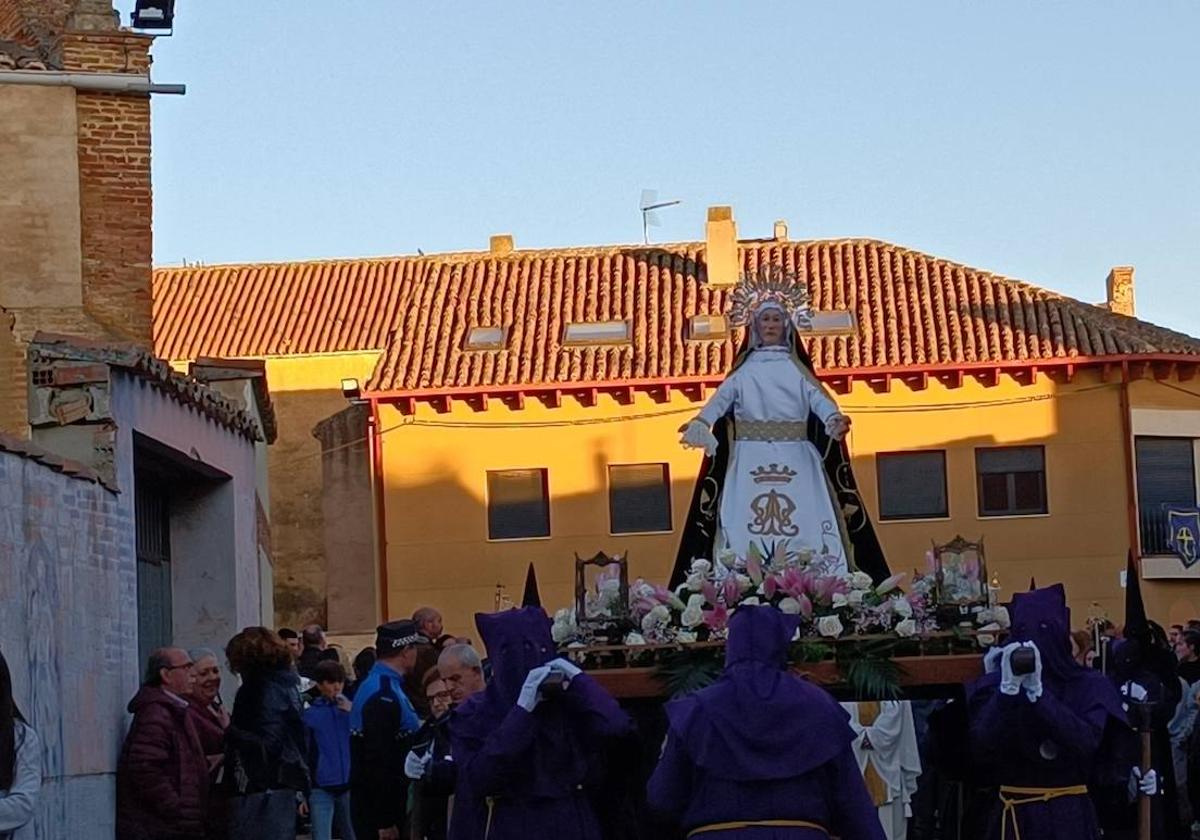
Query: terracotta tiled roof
(13, 56)
(138, 362)
(75, 469)
(911, 308)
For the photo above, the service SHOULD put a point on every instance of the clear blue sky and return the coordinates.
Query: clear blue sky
(1045, 141)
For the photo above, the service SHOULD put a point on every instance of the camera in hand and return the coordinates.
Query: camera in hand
(555, 683)
(1023, 661)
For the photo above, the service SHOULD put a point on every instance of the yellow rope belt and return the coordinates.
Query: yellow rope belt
(729, 826)
(1014, 797)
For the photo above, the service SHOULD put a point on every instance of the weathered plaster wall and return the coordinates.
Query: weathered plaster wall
(68, 623)
(214, 544)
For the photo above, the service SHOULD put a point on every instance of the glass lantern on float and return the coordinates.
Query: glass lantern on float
(602, 597)
(961, 587)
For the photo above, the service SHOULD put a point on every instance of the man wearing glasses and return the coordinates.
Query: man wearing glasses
(162, 774)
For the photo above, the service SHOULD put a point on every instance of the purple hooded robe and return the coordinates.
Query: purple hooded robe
(762, 744)
(520, 774)
(1051, 743)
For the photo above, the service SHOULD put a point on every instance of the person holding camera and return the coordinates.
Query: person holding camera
(429, 764)
(528, 746)
(1038, 723)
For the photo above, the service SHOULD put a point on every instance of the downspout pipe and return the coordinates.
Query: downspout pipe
(101, 82)
(378, 488)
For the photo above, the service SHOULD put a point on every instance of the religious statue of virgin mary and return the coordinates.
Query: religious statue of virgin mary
(776, 473)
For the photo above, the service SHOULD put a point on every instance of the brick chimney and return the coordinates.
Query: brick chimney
(500, 245)
(781, 231)
(721, 247)
(1120, 290)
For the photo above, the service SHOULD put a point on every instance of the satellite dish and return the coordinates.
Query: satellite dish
(648, 205)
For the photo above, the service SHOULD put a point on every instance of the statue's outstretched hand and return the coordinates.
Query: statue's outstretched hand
(695, 434)
(837, 426)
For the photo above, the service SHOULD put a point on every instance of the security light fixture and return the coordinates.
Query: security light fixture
(153, 15)
(351, 390)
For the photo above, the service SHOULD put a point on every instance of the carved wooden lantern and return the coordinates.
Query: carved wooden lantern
(961, 576)
(602, 597)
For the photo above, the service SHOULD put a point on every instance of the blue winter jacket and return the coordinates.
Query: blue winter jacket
(329, 744)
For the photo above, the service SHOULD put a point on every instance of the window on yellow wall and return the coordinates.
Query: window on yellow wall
(639, 498)
(912, 485)
(1011, 480)
(1166, 478)
(518, 504)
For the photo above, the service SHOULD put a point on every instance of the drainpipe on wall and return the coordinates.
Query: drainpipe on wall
(1130, 481)
(375, 442)
(103, 82)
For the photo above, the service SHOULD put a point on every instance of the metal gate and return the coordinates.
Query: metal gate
(153, 524)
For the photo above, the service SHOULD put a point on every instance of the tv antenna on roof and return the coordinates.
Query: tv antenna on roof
(648, 205)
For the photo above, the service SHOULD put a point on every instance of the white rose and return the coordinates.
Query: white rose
(727, 558)
(906, 628)
(749, 602)
(839, 600)
(1000, 614)
(692, 617)
(695, 581)
(830, 626)
(790, 606)
(632, 638)
(902, 608)
(743, 581)
(641, 589)
(685, 636)
(860, 580)
(700, 566)
(856, 597)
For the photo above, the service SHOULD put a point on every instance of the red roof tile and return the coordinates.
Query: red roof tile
(14, 56)
(911, 309)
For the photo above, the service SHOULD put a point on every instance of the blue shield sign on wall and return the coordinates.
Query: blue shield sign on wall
(1185, 531)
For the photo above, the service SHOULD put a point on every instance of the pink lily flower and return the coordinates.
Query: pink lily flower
(806, 607)
(716, 618)
(729, 591)
(770, 586)
(709, 592)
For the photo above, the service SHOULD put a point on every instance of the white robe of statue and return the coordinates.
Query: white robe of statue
(775, 490)
(891, 763)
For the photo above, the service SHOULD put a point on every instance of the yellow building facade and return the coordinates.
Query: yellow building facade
(435, 467)
(565, 370)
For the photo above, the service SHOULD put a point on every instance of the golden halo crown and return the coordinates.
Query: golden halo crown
(770, 284)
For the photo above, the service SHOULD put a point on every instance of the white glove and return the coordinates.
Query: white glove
(1010, 683)
(1134, 691)
(1033, 682)
(697, 435)
(415, 766)
(565, 667)
(1146, 785)
(991, 659)
(837, 425)
(529, 696)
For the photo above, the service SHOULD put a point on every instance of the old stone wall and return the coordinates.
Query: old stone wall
(68, 618)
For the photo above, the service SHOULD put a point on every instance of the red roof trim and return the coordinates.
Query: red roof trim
(951, 374)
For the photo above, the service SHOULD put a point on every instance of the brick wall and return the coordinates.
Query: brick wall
(115, 202)
(68, 573)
